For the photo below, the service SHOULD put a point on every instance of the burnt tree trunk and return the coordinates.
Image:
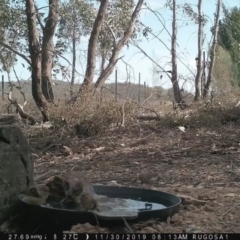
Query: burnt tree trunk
(174, 79)
(47, 50)
(35, 53)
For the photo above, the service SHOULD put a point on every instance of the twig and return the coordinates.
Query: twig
(136, 45)
(110, 29)
(229, 210)
(123, 115)
(152, 110)
(39, 18)
(127, 225)
(113, 178)
(99, 229)
(36, 229)
(149, 97)
(43, 176)
(52, 145)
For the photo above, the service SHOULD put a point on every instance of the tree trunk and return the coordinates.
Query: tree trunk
(92, 47)
(103, 60)
(203, 78)
(103, 57)
(73, 60)
(35, 53)
(109, 69)
(114, 58)
(199, 65)
(213, 50)
(48, 48)
(174, 79)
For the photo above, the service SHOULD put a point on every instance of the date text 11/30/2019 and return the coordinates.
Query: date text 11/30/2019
(122, 236)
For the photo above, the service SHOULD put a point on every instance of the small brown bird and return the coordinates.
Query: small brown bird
(68, 187)
(59, 188)
(88, 202)
(147, 177)
(35, 195)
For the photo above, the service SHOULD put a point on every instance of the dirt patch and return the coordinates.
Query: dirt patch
(200, 165)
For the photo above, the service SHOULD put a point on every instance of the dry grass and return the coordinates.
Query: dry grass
(223, 73)
(92, 115)
(201, 163)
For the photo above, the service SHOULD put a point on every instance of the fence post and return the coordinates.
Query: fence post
(145, 90)
(3, 87)
(139, 87)
(116, 82)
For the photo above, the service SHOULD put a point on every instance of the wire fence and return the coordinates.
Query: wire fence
(139, 92)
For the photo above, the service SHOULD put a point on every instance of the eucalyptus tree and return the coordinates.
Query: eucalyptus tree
(112, 29)
(30, 35)
(229, 37)
(115, 24)
(8, 15)
(41, 52)
(119, 27)
(76, 21)
(47, 46)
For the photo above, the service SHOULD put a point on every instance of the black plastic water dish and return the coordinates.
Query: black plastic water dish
(62, 219)
(171, 202)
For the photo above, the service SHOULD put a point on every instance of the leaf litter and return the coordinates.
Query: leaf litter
(202, 166)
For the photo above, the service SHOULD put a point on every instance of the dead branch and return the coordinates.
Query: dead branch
(130, 100)
(148, 118)
(19, 107)
(136, 45)
(213, 50)
(149, 97)
(154, 35)
(39, 18)
(110, 29)
(157, 16)
(123, 115)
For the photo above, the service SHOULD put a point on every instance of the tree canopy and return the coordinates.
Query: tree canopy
(229, 38)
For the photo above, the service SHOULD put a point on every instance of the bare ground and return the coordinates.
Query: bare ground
(202, 164)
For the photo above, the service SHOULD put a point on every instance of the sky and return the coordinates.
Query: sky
(138, 63)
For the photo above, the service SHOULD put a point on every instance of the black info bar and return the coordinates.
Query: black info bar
(120, 236)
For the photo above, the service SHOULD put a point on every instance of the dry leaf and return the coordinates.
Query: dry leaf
(181, 128)
(230, 195)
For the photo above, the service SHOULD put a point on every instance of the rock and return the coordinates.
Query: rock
(16, 167)
(147, 177)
